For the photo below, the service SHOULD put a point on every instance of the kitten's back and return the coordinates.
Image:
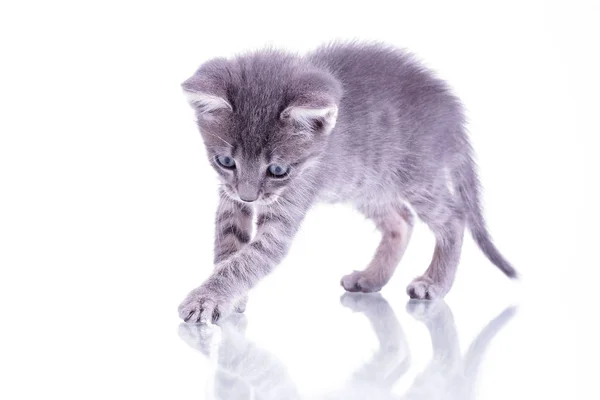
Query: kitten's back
(393, 110)
(382, 72)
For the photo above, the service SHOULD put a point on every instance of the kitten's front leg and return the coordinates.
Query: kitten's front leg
(233, 231)
(233, 227)
(234, 276)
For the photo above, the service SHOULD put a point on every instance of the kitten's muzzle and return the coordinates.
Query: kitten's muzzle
(247, 192)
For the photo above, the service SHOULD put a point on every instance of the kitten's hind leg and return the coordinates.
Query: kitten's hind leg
(448, 224)
(395, 224)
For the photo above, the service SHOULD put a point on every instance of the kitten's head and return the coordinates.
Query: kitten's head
(265, 119)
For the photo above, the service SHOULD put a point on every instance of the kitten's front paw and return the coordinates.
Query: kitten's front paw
(204, 305)
(424, 288)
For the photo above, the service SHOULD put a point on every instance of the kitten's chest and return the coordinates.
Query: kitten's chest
(330, 195)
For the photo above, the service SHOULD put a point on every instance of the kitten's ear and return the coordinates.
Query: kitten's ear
(312, 118)
(206, 104)
(206, 89)
(315, 95)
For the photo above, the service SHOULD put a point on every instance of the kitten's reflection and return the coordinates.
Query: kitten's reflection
(248, 372)
(375, 379)
(450, 375)
(244, 371)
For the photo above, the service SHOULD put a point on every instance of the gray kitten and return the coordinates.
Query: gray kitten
(360, 123)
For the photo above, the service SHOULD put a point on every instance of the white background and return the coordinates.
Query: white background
(107, 200)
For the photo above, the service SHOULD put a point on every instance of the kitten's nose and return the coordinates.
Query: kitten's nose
(248, 200)
(247, 192)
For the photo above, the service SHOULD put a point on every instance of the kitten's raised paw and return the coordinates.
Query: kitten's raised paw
(423, 288)
(359, 281)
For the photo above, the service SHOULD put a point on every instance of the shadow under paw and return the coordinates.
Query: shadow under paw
(197, 336)
(361, 302)
(423, 310)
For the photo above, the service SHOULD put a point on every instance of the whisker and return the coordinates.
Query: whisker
(220, 138)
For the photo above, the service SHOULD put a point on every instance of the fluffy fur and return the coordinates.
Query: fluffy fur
(364, 124)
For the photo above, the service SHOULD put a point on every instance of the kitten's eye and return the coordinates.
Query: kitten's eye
(277, 171)
(226, 162)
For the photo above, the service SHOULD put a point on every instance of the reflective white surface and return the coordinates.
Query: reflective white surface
(107, 206)
(246, 371)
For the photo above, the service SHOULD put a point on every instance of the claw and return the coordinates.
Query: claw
(216, 315)
(189, 316)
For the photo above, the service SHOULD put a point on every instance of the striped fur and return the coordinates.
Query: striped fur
(234, 227)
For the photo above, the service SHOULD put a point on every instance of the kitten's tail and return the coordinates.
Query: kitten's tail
(467, 185)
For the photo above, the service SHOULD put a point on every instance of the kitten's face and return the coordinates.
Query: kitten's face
(265, 119)
(257, 164)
